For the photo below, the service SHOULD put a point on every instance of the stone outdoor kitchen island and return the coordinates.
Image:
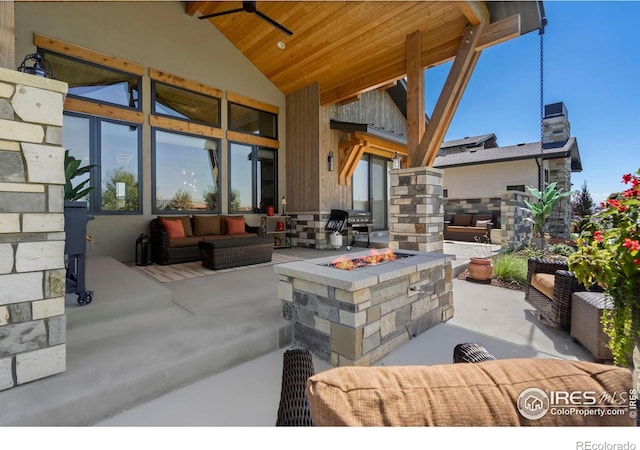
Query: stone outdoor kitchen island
(356, 317)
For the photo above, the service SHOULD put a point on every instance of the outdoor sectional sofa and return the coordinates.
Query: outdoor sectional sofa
(171, 250)
(469, 227)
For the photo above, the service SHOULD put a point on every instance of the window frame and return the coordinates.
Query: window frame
(95, 155)
(254, 174)
(154, 205)
(187, 120)
(231, 103)
(44, 52)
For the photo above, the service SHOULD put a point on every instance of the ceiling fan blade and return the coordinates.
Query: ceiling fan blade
(222, 13)
(274, 23)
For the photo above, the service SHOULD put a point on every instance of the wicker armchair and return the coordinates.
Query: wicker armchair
(555, 311)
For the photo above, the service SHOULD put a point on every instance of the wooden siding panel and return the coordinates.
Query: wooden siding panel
(303, 127)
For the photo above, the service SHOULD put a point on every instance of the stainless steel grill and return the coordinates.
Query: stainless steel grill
(351, 221)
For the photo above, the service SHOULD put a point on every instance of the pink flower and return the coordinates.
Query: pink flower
(598, 236)
(626, 178)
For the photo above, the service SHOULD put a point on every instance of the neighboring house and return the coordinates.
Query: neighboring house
(477, 170)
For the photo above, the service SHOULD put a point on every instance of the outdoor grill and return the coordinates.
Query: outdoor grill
(351, 221)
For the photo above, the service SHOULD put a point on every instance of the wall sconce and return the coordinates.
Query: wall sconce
(395, 162)
(39, 67)
(283, 202)
(330, 160)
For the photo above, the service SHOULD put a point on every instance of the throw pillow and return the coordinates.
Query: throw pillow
(186, 223)
(173, 227)
(206, 225)
(483, 223)
(235, 225)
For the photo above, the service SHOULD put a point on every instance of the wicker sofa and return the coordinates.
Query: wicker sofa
(469, 227)
(166, 250)
(477, 390)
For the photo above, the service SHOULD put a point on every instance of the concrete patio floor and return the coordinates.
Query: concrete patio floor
(208, 351)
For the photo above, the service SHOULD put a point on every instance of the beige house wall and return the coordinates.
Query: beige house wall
(486, 180)
(161, 36)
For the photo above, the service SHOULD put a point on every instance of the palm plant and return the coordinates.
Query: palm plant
(72, 170)
(542, 209)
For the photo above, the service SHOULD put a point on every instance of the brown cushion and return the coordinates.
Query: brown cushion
(477, 217)
(470, 230)
(479, 394)
(186, 223)
(463, 220)
(203, 225)
(184, 242)
(223, 223)
(173, 227)
(544, 283)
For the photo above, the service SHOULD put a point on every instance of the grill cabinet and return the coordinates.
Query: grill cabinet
(350, 222)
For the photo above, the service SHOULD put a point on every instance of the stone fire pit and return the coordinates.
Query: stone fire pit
(355, 317)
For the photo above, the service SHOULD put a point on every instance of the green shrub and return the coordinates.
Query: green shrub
(511, 268)
(561, 249)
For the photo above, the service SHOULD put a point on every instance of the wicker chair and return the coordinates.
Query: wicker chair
(556, 311)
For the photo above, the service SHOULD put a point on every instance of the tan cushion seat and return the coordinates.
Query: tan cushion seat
(543, 282)
(479, 394)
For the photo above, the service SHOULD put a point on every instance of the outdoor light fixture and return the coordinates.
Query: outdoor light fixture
(283, 202)
(330, 159)
(395, 161)
(39, 67)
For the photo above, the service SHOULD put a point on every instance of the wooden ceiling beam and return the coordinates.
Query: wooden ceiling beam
(388, 71)
(475, 11)
(190, 8)
(442, 113)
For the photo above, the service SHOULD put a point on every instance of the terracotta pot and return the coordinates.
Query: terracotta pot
(480, 268)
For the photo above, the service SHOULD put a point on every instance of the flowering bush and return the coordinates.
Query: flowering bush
(608, 255)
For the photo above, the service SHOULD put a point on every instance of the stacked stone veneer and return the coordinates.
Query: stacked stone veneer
(356, 318)
(32, 274)
(308, 230)
(417, 214)
(559, 224)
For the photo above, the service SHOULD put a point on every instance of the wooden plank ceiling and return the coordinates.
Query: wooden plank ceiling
(348, 47)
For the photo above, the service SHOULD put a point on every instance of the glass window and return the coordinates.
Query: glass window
(360, 184)
(183, 104)
(96, 83)
(114, 148)
(253, 121)
(119, 167)
(252, 177)
(186, 170)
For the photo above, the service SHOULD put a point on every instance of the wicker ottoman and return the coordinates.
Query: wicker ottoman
(586, 311)
(226, 253)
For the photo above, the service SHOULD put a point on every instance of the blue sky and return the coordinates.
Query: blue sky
(591, 63)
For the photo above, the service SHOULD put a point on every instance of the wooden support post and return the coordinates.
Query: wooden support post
(7, 35)
(415, 93)
(450, 96)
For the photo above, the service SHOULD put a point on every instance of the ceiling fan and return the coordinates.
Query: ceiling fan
(250, 7)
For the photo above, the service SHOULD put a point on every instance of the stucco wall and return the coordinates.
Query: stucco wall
(158, 35)
(486, 180)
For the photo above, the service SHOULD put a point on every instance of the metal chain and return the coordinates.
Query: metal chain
(541, 166)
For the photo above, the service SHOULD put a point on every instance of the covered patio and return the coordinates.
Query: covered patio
(219, 339)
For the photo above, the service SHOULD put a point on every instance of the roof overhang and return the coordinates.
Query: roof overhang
(351, 47)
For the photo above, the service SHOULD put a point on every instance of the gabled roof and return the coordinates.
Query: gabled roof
(474, 141)
(474, 156)
(513, 153)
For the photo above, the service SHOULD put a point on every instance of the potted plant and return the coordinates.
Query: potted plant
(542, 209)
(481, 266)
(608, 255)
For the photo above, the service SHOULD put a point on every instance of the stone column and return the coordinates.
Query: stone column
(32, 274)
(417, 214)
